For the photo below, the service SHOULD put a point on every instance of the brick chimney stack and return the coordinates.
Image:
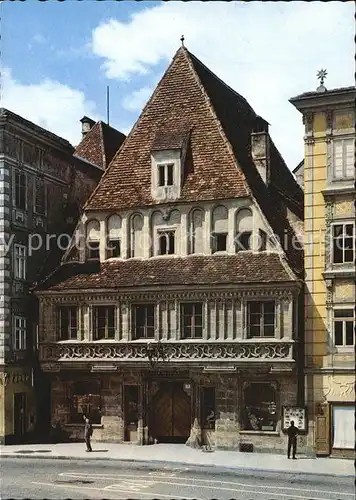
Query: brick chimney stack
(87, 124)
(260, 148)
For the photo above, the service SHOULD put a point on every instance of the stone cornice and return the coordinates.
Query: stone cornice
(159, 295)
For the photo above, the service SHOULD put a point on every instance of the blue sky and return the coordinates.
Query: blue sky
(64, 54)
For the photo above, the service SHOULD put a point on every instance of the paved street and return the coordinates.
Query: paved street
(53, 479)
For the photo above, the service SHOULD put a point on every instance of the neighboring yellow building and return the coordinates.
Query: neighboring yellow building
(329, 243)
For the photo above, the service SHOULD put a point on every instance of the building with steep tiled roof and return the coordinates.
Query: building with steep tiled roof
(330, 234)
(43, 188)
(174, 315)
(99, 143)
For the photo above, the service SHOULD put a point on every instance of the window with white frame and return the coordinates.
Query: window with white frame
(20, 255)
(20, 189)
(165, 174)
(20, 333)
(343, 240)
(344, 159)
(261, 319)
(344, 327)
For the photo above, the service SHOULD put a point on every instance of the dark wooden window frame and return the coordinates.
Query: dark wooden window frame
(144, 326)
(261, 318)
(68, 322)
(343, 244)
(104, 322)
(191, 316)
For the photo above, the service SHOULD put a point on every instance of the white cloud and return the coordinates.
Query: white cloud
(267, 52)
(38, 38)
(49, 104)
(137, 100)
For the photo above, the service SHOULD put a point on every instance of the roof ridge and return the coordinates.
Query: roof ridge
(221, 81)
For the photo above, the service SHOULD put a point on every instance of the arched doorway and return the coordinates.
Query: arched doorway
(171, 414)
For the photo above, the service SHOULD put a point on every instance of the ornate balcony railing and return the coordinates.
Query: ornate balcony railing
(186, 352)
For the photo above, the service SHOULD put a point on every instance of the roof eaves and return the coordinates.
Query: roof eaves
(102, 142)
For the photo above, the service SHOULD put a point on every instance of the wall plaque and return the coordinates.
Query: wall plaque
(296, 413)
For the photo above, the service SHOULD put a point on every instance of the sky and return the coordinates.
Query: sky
(56, 67)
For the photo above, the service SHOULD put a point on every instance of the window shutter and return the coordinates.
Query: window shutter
(350, 157)
(338, 157)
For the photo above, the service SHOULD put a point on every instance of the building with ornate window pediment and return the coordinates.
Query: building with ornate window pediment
(174, 314)
(44, 182)
(328, 175)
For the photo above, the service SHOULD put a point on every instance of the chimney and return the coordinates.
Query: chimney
(260, 148)
(87, 124)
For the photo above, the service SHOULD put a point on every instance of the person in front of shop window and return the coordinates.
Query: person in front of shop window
(88, 432)
(292, 433)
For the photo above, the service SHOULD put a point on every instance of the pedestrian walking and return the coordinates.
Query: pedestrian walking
(292, 440)
(88, 432)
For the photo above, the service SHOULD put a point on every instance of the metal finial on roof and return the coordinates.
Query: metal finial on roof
(321, 75)
(182, 40)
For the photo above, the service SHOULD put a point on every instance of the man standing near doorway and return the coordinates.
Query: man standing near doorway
(88, 432)
(292, 439)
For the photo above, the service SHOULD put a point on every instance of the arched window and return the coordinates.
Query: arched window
(244, 228)
(137, 249)
(166, 242)
(260, 407)
(114, 237)
(93, 239)
(220, 228)
(196, 236)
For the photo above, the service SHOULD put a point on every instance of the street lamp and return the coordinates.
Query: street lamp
(154, 351)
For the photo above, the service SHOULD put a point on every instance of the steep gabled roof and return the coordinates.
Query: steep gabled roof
(219, 163)
(179, 103)
(244, 267)
(100, 144)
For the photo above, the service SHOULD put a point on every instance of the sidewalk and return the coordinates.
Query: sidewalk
(173, 454)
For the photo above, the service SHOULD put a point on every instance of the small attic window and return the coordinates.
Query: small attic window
(165, 174)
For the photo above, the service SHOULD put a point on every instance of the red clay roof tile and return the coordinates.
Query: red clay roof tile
(100, 144)
(244, 267)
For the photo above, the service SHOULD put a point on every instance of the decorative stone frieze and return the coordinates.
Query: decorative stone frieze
(185, 352)
(159, 296)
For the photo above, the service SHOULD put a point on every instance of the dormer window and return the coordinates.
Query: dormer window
(165, 174)
(166, 242)
(168, 155)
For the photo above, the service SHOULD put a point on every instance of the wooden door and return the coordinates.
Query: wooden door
(322, 431)
(19, 415)
(171, 417)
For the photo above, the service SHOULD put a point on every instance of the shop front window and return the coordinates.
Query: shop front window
(86, 401)
(260, 407)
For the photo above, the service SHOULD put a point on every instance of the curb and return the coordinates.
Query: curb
(227, 469)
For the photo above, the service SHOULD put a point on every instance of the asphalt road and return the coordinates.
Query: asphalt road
(54, 479)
